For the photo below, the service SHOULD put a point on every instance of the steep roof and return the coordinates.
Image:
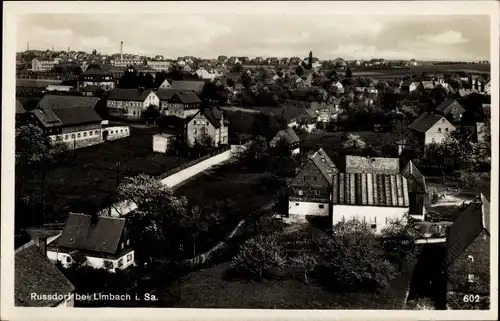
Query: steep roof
(373, 165)
(188, 97)
(58, 102)
(472, 221)
(424, 122)
(370, 190)
(34, 273)
(19, 107)
(166, 93)
(213, 115)
(288, 135)
(66, 116)
(80, 234)
(446, 104)
(324, 164)
(188, 85)
(122, 94)
(410, 170)
(94, 71)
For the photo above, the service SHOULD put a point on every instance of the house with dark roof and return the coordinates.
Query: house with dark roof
(166, 84)
(467, 262)
(98, 77)
(71, 120)
(189, 85)
(309, 191)
(430, 128)
(103, 240)
(207, 127)
(409, 86)
(289, 136)
(175, 102)
(451, 107)
(129, 104)
(37, 275)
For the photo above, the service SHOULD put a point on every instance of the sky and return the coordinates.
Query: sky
(423, 37)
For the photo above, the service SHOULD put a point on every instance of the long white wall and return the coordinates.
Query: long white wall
(123, 208)
(371, 214)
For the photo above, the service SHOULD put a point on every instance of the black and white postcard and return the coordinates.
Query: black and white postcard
(227, 160)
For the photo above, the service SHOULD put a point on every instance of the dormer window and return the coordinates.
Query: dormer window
(439, 129)
(470, 258)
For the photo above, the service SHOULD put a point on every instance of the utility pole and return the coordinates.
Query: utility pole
(117, 174)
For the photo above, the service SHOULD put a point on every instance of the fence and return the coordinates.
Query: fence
(194, 162)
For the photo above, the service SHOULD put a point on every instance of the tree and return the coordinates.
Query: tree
(354, 141)
(398, 239)
(236, 68)
(353, 258)
(32, 146)
(348, 73)
(306, 262)
(299, 71)
(257, 255)
(198, 221)
(152, 113)
(256, 154)
(147, 81)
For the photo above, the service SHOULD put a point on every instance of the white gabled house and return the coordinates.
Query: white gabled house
(103, 240)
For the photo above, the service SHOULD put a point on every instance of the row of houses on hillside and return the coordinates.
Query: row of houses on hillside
(372, 189)
(479, 85)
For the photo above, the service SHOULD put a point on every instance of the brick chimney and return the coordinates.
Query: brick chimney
(121, 50)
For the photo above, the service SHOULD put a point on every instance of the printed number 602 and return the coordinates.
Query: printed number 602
(471, 298)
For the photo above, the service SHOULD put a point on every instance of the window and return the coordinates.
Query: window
(471, 258)
(85, 134)
(96, 132)
(79, 135)
(194, 122)
(194, 131)
(470, 278)
(321, 206)
(446, 129)
(442, 120)
(314, 178)
(316, 192)
(66, 137)
(68, 259)
(439, 129)
(433, 141)
(119, 263)
(296, 204)
(112, 131)
(129, 257)
(128, 242)
(301, 192)
(123, 245)
(72, 135)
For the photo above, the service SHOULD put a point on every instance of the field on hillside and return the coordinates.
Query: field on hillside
(389, 74)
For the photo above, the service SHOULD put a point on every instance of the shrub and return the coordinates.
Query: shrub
(257, 255)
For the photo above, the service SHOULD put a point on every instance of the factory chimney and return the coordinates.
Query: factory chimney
(28, 46)
(121, 50)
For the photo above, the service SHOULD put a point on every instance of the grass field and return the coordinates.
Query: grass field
(89, 178)
(208, 288)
